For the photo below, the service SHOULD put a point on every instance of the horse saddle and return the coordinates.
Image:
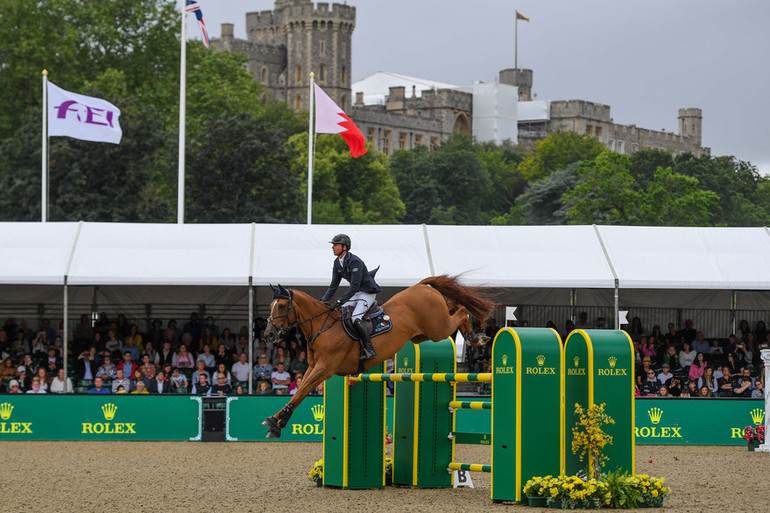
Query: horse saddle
(375, 319)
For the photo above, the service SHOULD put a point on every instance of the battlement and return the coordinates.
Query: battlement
(581, 109)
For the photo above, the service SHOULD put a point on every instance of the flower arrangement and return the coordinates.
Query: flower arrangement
(754, 434)
(317, 472)
(574, 492)
(589, 439)
(627, 491)
(388, 471)
(539, 486)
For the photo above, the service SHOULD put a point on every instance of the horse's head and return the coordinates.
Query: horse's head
(283, 316)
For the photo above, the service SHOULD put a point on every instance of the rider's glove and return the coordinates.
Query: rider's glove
(337, 305)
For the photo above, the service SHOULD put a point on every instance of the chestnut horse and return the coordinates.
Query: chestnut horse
(433, 309)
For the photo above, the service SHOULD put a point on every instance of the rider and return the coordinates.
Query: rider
(361, 293)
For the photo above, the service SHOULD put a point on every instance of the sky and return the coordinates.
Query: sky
(644, 58)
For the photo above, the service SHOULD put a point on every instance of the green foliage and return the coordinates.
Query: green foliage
(605, 193)
(672, 199)
(645, 162)
(557, 151)
(347, 190)
(542, 203)
(623, 494)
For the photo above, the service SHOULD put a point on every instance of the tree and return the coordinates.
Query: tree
(345, 189)
(605, 194)
(542, 202)
(645, 162)
(673, 199)
(557, 151)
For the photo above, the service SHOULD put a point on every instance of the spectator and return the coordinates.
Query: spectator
(176, 333)
(137, 378)
(692, 389)
(42, 376)
(665, 376)
(179, 382)
(194, 328)
(686, 356)
(148, 367)
(705, 392)
(107, 370)
(239, 388)
(746, 374)
(127, 364)
(29, 365)
(648, 348)
(697, 367)
(262, 370)
(159, 384)
(200, 368)
(685, 393)
(133, 331)
(222, 371)
(732, 363)
(20, 345)
(13, 387)
(726, 383)
(675, 387)
(166, 355)
(99, 387)
(53, 363)
(202, 387)
(651, 385)
(120, 381)
(140, 388)
(672, 337)
(38, 345)
(266, 349)
(715, 348)
(86, 367)
(131, 348)
(182, 358)
(635, 329)
(113, 345)
(743, 329)
(281, 379)
(759, 390)
(241, 346)
(36, 387)
(221, 387)
(264, 388)
(688, 333)
(319, 390)
(732, 343)
(700, 345)
(743, 354)
(297, 383)
(155, 334)
(299, 365)
(206, 357)
(760, 332)
(223, 355)
(8, 370)
(709, 381)
(744, 387)
(657, 337)
(227, 340)
(121, 327)
(241, 369)
(61, 384)
(121, 390)
(208, 339)
(663, 391)
(582, 323)
(282, 357)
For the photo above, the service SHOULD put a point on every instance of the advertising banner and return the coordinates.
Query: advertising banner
(100, 417)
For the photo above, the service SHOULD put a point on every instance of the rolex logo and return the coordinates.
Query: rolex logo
(505, 359)
(109, 411)
(540, 360)
(5, 411)
(612, 361)
(318, 412)
(655, 415)
(406, 362)
(757, 415)
(577, 361)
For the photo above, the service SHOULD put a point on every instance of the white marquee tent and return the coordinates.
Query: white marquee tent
(165, 264)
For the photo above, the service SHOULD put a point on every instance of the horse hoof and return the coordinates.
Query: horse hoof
(273, 433)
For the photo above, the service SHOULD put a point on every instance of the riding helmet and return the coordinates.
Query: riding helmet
(341, 238)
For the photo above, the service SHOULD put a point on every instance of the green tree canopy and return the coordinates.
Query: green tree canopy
(557, 151)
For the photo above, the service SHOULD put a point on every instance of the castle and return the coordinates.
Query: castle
(286, 44)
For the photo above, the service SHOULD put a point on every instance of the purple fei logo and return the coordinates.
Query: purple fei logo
(85, 113)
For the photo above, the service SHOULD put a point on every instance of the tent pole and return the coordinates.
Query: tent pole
(251, 331)
(617, 306)
(64, 335)
(573, 304)
(733, 308)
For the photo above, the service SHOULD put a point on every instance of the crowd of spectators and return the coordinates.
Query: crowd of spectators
(115, 357)
(677, 363)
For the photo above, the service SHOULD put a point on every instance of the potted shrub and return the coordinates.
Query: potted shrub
(754, 436)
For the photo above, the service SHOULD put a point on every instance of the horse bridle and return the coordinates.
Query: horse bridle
(283, 332)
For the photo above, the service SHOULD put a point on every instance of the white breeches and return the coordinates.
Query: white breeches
(360, 301)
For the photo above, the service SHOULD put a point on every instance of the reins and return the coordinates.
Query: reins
(283, 332)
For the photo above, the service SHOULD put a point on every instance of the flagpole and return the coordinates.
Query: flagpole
(516, 42)
(310, 156)
(44, 181)
(182, 108)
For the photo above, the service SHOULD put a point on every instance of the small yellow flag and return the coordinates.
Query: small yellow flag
(520, 16)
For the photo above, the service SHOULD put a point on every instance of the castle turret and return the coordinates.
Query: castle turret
(690, 124)
(521, 78)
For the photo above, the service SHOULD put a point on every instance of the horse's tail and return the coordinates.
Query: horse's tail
(475, 299)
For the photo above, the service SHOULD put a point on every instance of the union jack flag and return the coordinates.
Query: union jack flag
(192, 6)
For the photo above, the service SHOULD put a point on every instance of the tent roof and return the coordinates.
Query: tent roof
(299, 255)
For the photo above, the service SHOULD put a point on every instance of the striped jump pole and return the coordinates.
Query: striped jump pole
(470, 405)
(436, 377)
(469, 467)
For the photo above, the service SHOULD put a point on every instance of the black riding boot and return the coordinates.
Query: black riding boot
(367, 351)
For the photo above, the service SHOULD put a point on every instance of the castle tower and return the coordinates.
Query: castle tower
(690, 124)
(521, 78)
(317, 39)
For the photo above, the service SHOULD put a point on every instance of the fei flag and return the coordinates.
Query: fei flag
(82, 117)
(329, 119)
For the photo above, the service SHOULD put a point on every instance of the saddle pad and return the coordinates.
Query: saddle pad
(379, 322)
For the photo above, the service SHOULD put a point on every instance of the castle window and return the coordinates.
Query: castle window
(344, 102)
(462, 125)
(344, 76)
(370, 135)
(386, 142)
(343, 49)
(298, 75)
(322, 74)
(433, 143)
(259, 34)
(297, 102)
(589, 130)
(598, 132)
(402, 141)
(298, 49)
(322, 48)
(620, 146)
(264, 76)
(611, 144)
(418, 140)
(272, 34)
